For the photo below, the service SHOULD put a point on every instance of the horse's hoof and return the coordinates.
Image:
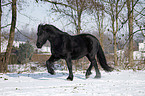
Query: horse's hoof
(97, 77)
(88, 74)
(70, 79)
(52, 73)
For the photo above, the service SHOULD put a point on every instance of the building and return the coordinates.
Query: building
(15, 44)
(140, 55)
(43, 50)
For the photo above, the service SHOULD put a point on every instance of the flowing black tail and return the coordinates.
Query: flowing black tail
(102, 60)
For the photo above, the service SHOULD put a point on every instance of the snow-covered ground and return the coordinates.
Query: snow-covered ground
(124, 83)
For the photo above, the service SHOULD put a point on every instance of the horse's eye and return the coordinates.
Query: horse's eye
(38, 34)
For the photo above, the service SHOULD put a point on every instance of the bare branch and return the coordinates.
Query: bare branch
(59, 3)
(140, 12)
(7, 4)
(139, 28)
(26, 16)
(121, 8)
(133, 34)
(143, 34)
(6, 26)
(128, 18)
(138, 31)
(25, 35)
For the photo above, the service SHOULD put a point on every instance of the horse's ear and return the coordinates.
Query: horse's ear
(41, 27)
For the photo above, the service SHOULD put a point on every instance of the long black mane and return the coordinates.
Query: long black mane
(65, 46)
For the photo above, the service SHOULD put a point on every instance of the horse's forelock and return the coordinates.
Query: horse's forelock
(39, 30)
(40, 26)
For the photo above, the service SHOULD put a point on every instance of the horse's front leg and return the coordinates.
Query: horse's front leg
(69, 65)
(49, 64)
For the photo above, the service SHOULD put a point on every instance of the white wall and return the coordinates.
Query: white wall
(15, 44)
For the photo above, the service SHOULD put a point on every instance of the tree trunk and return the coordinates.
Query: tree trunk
(130, 24)
(115, 45)
(1, 63)
(99, 22)
(115, 32)
(102, 31)
(114, 35)
(0, 24)
(11, 36)
(79, 25)
(79, 14)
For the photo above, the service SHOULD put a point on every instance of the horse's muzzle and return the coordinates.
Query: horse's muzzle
(38, 45)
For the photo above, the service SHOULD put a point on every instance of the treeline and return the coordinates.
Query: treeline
(116, 21)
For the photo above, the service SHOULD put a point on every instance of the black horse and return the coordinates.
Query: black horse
(65, 46)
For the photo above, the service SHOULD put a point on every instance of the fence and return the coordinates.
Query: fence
(39, 58)
(82, 63)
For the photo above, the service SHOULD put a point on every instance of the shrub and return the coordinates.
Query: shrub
(25, 52)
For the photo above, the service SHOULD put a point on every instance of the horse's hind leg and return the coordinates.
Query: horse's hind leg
(93, 63)
(49, 64)
(69, 65)
(98, 74)
(88, 73)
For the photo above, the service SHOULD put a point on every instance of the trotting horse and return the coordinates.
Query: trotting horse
(65, 46)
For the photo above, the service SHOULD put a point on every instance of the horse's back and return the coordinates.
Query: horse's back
(91, 42)
(88, 39)
(83, 44)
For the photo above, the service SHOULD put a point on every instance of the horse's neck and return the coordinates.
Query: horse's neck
(55, 39)
(58, 37)
(56, 43)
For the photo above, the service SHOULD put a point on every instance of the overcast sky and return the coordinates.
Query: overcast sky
(32, 14)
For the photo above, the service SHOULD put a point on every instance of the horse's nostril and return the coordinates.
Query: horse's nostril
(38, 45)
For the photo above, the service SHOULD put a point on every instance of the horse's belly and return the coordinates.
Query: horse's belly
(78, 55)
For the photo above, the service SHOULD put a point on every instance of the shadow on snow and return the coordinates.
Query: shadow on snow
(46, 76)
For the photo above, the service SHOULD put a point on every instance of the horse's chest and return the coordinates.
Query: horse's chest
(58, 52)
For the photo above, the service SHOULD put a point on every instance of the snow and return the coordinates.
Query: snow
(45, 49)
(142, 46)
(123, 83)
(137, 55)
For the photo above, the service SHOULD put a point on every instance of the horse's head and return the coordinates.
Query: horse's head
(46, 32)
(42, 36)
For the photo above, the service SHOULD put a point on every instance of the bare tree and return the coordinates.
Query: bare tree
(130, 24)
(0, 24)
(11, 36)
(1, 64)
(139, 17)
(100, 25)
(115, 7)
(99, 19)
(72, 9)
